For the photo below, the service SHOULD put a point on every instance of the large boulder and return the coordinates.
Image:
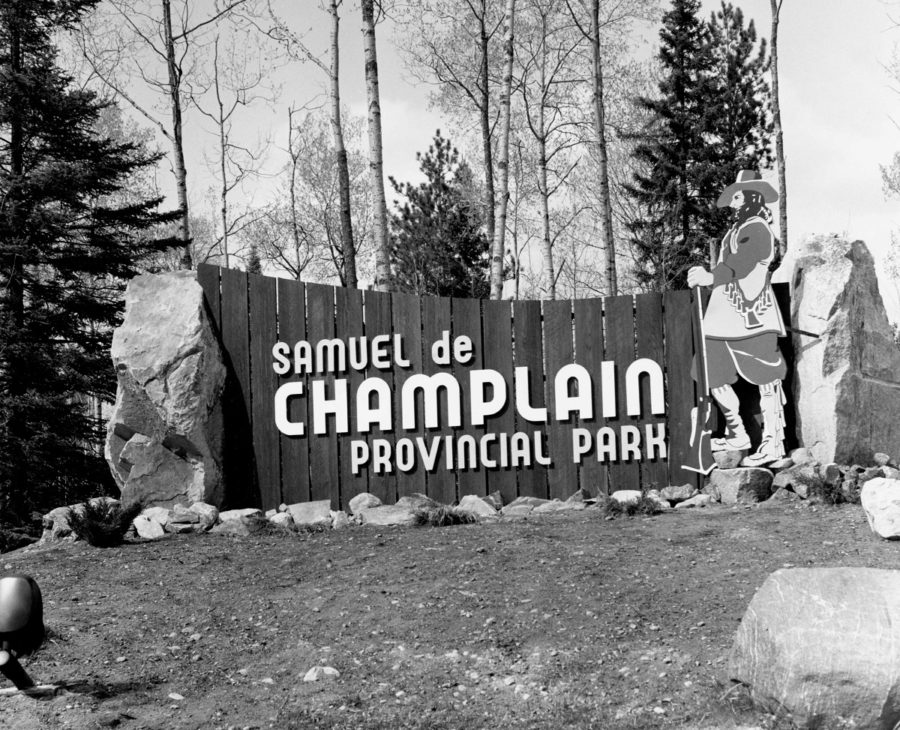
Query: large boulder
(164, 439)
(823, 644)
(847, 382)
(880, 499)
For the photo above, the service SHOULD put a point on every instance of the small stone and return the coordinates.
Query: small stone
(474, 505)
(160, 514)
(175, 696)
(509, 681)
(209, 514)
(311, 513)
(626, 497)
(282, 519)
(699, 500)
(319, 672)
(891, 472)
(362, 501)
(801, 456)
(882, 459)
(417, 501)
(339, 520)
(674, 495)
(148, 528)
(243, 526)
(386, 515)
(802, 479)
(237, 514)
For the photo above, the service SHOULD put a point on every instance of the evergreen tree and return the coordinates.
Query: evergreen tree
(438, 245)
(710, 120)
(672, 154)
(739, 126)
(66, 247)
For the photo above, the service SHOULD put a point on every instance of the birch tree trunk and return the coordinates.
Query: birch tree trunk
(503, 161)
(606, 225)
(348, 245)
(779, 135)
(376, 165)
(184, 230)
(485, 118)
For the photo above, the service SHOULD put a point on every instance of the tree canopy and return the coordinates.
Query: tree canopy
(438, 244)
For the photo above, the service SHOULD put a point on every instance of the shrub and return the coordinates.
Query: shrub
(442, 516)
(103, 523)
(644, 506)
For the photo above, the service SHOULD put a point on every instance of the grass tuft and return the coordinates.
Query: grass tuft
(442, 516)
(101, 523)
(644, 506)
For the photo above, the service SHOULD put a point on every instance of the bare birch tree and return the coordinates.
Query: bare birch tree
(376, 162)
(498, 248)
(546, 83)
(237, 83)
(301, 51)
(451, 44)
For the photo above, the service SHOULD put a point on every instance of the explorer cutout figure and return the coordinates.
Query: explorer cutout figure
(742, 322)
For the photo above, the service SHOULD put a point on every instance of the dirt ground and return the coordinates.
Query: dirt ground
(558, 621)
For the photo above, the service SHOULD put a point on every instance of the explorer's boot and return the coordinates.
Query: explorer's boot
(771, 403)
(736, 438)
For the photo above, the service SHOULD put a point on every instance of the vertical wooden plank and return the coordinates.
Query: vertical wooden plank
(324, 459)
(349, 309)
(498, 355)
(679, 384)
(407, 320)
(436, 320)
(529, 354)
(589, 353)
(294, 449)
(559, 350)
(378, 322)
(649, 329)
(241, 486)
(263, 334)
(623, 474)
(467, 322)
(208, 278)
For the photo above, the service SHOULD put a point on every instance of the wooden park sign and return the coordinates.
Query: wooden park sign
(334, 391)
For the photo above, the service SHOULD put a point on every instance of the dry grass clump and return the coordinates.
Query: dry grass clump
(644, 506)
(442, 516)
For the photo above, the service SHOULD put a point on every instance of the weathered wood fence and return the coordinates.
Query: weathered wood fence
(264, 467)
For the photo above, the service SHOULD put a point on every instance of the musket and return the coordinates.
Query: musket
(700, 458)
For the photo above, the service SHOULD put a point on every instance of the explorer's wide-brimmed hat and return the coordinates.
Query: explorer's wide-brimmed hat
(748, 180)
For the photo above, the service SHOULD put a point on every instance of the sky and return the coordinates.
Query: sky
(840, 106)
